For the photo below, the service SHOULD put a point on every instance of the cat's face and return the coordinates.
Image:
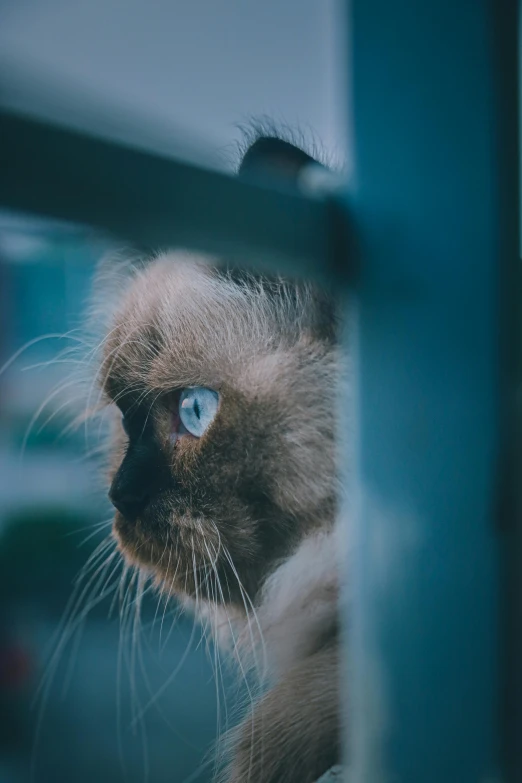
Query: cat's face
(224, 393)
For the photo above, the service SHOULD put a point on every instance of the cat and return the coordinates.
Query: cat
(222, 387)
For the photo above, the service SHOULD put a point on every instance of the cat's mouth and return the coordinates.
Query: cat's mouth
(176, 553)
(186, 559)
(136, 543)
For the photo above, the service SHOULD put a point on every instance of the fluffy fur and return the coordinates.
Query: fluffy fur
(239, 524)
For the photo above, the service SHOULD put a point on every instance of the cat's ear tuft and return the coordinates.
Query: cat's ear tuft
(269, 157)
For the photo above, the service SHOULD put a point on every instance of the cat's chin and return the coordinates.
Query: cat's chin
(174, 575)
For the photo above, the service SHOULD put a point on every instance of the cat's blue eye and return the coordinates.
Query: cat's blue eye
(197, 409)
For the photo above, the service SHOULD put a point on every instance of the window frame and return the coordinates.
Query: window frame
(434, 688)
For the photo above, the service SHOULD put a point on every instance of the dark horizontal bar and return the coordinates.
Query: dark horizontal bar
(155, 201)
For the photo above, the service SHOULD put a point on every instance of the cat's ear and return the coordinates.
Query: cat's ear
(271, 158)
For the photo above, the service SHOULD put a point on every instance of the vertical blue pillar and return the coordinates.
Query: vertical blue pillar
(433, 200)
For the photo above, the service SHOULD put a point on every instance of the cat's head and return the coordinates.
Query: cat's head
(223, 387)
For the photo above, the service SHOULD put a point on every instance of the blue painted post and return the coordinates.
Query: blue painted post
(433, 201)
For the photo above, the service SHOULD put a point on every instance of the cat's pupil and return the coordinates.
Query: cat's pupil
(197, 409)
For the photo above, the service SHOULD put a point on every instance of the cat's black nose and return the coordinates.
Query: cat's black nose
(130, 501)
(142, 476)
(134, 483)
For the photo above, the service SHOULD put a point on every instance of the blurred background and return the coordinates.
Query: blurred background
(84, 702)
